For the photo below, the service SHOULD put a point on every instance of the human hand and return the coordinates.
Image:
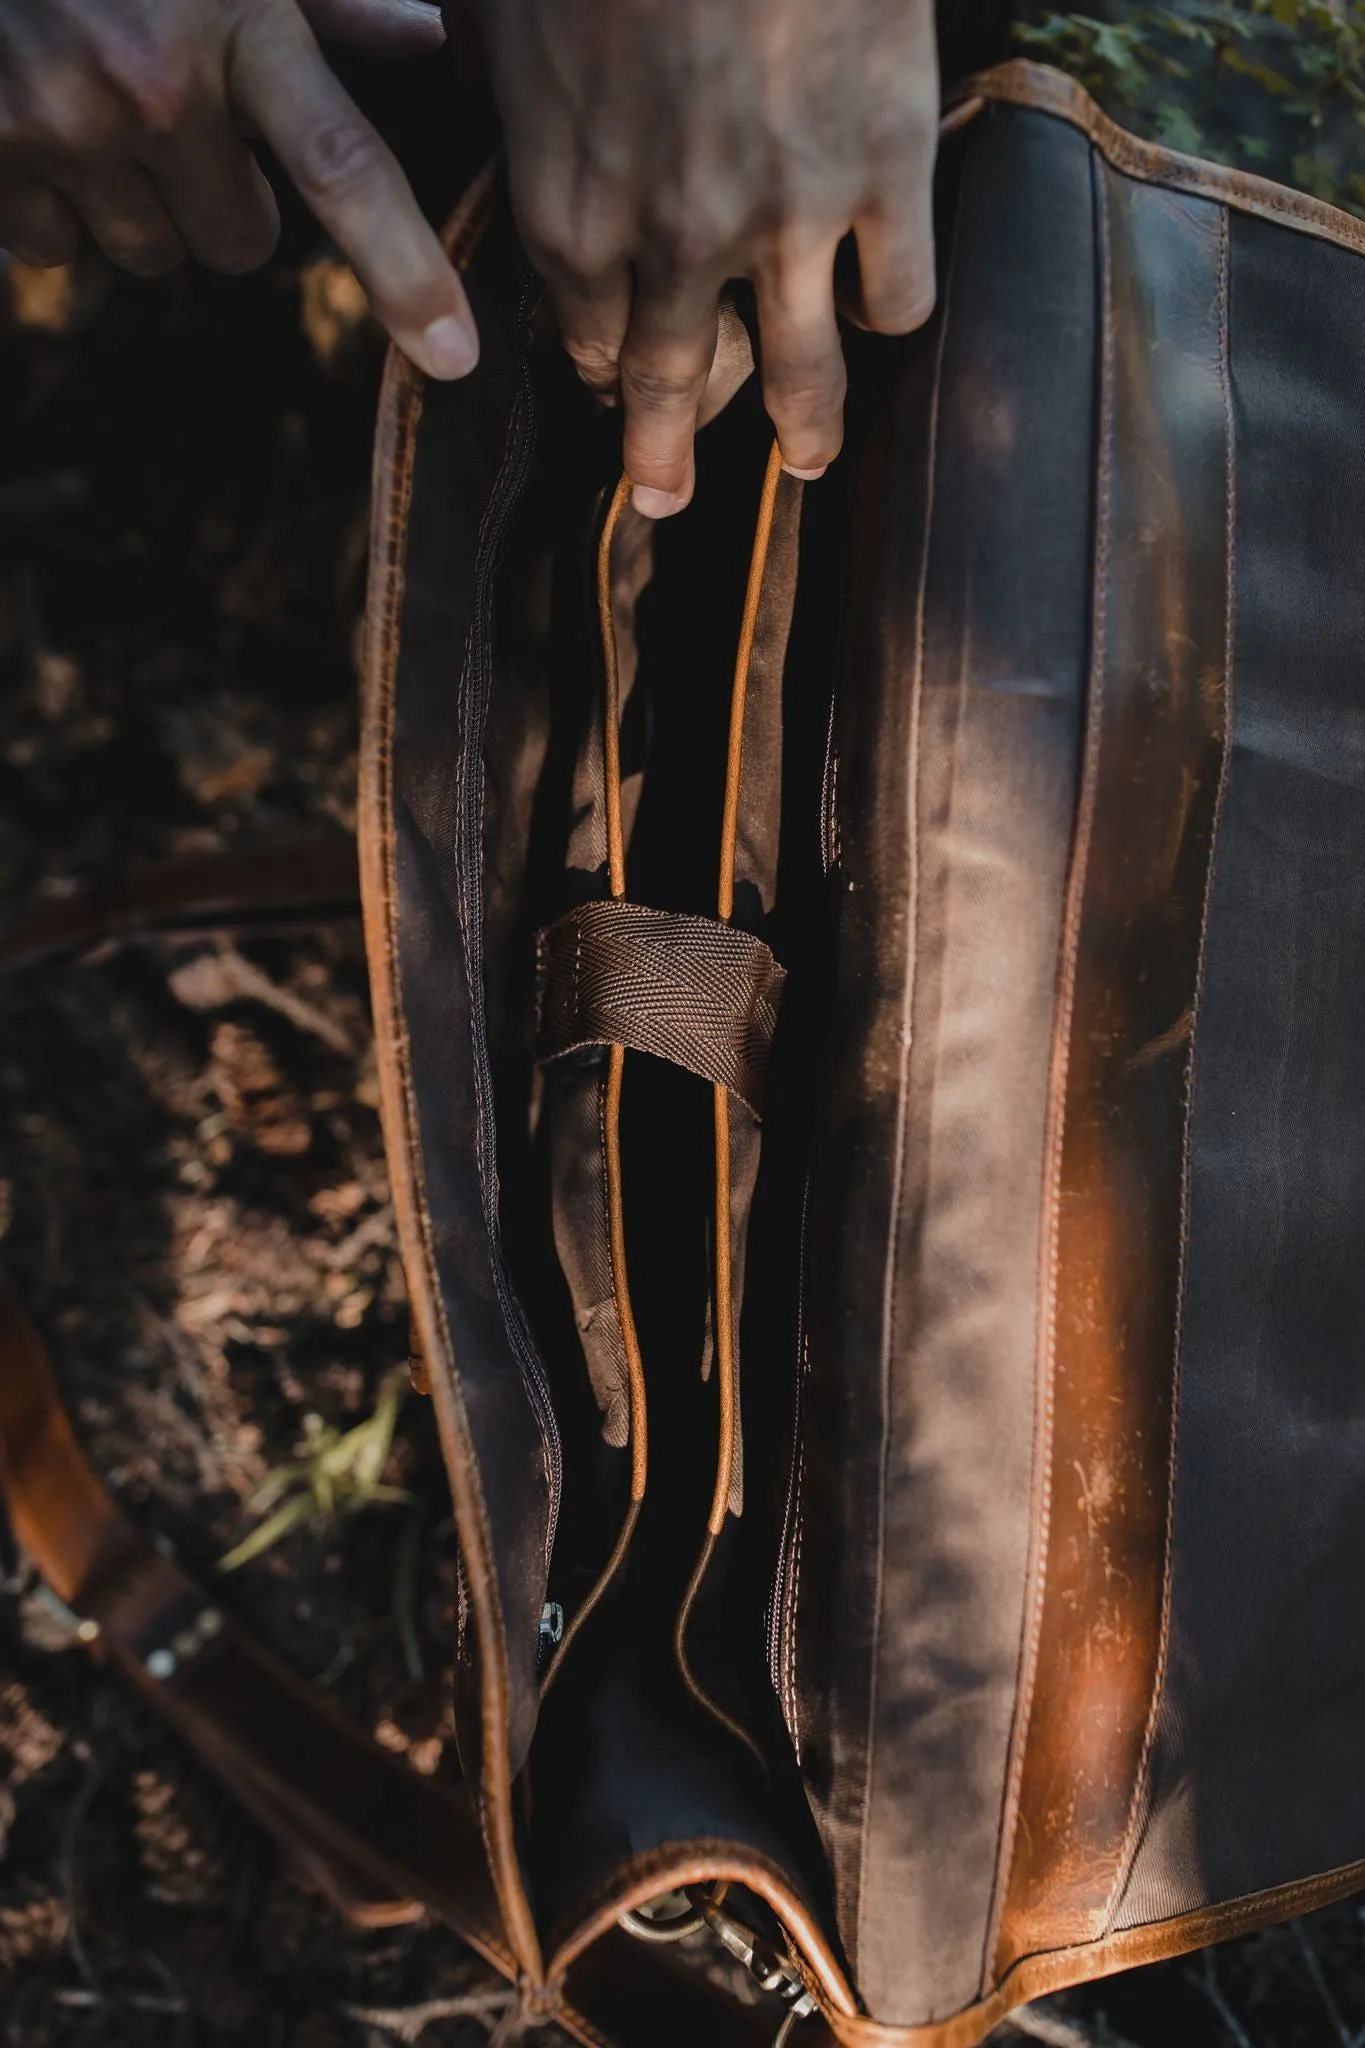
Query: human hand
(658, 147)
(128, 116)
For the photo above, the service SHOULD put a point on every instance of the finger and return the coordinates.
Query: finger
(593, 315)
(802, 360)
(355, 187)
(37, 225)
(216, 193)
(378, 28)
(576, 228)
(665, 362)
(731, 366)
(120, 206)
(896, 261)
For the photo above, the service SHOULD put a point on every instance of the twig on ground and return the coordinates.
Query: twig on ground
(136, 2001)
(511, 2027)
(375, 1229)
(1313, 1965)
(409, 2022)
(405, 1594)
(1041, 2022)
(66, 1867)
(215, 979)
(1206, 1977)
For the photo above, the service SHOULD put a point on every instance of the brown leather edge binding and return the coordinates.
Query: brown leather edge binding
(1037, 1976)
(1021, 83)
(400, 408)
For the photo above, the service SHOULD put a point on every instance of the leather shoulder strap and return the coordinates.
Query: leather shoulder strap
(381, 1842)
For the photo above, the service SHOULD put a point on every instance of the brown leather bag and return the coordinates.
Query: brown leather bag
(867, 989)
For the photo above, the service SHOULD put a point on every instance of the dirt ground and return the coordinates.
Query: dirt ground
(192, 1193)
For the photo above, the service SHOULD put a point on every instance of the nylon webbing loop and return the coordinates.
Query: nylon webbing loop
(701, 994)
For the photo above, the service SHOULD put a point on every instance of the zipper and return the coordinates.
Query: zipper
(506, 494)
(780, 1627)
(829, 791)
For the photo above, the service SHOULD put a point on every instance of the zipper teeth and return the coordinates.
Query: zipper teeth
(829, 792)
(507, 490)
(778, 1608)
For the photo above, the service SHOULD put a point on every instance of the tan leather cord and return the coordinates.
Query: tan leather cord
(616, 874)
(725, 910)
(611, 734)
(724, 1301)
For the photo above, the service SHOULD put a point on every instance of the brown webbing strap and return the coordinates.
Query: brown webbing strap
(701, 994)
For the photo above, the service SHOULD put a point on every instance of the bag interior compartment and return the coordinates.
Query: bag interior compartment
(626, 1756)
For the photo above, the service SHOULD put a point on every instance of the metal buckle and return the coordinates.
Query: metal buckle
(670, 1917)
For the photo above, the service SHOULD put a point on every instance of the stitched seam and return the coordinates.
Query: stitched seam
(1229, 610)
(1044, 90)
(1070, 950)
(793, 1594)
(902, 1116)
(493, 1673)
(571, 2018)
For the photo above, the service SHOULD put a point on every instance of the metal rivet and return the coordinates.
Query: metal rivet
(552, 1621)
(209, 1624)
(161, 1664)
(186, 1644)
(87, 1631)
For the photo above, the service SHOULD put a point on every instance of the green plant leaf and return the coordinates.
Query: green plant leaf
(268, 1533)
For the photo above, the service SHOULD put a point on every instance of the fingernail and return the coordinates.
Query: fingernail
(450, 347)
(807, 476)
(658, 504)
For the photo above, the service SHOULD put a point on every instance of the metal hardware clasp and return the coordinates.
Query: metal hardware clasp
(675, 1915)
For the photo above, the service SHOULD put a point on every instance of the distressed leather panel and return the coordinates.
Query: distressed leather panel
(1115, 1197)
(1259, 1766)
(959, 743)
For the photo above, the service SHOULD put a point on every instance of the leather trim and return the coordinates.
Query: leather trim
(400, 409)
(1038, 1975)
(1114, 1195)
(270, 888)
(710, 1862)
(1021, 83)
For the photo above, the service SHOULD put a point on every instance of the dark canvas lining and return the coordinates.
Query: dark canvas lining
(624, 1760)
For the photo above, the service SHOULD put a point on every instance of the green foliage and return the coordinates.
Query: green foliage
(332, 1473)
(1277, 85)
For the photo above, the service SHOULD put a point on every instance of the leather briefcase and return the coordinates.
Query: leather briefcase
(867, 980)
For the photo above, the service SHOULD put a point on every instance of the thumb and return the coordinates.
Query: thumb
(377, 28)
